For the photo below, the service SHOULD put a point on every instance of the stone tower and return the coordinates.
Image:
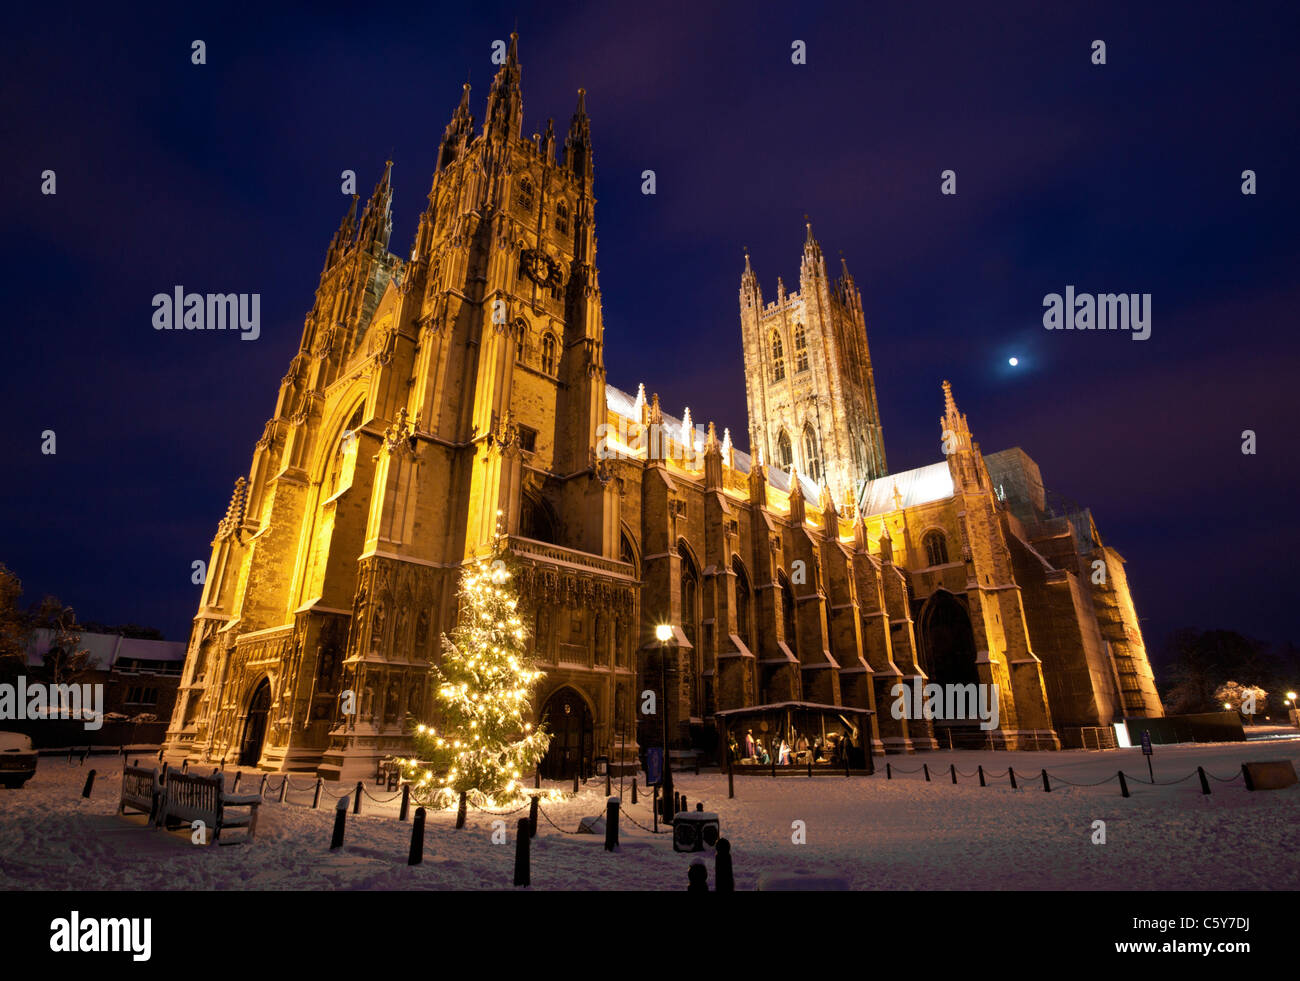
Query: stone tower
(808, 377)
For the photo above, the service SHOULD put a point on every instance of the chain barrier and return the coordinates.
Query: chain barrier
(553, 824)
(484, 810)
(1070, 783)
(386, 800)
(1235, 776)
(663, 831)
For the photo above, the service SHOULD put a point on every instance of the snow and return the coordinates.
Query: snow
(871, 832)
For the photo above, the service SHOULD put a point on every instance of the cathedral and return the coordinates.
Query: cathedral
(444, 402)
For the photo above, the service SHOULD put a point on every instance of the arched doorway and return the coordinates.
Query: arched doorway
(250, 749)
(947, 645)
(569, 721)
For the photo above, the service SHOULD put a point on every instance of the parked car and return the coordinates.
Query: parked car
(17, 759)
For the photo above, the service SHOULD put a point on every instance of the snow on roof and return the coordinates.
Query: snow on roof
(923, 485)
(623, 404)
(107, 649)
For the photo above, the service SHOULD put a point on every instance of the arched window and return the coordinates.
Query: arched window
(787, 616)
(811, 454)
(525, 197)
(778, 358)
(691, 625)
(936, 548)
(536, 521)
(800, 349)
(548, 353)
(742, 602)
(784, 452)
(562, 218)
(340, 476)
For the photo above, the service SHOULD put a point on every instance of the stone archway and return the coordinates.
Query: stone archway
(569, 720)
(947, 643)
(250, 746)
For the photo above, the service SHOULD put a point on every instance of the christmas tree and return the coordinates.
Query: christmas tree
(483, 742)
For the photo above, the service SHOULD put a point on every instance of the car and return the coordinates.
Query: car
(17, 759)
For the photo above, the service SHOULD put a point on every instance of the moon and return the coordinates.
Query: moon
(1013, 361)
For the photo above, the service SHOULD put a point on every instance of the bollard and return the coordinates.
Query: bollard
(1046, 786)
(1012, 771)
(234, 787)
(723, 875)
(532, 817)
(575, 783)
(416, 855)
(611, 825)
(677, 802)
(684, 806)
(522, 877)
(406, 803)
(284, 785)
(634, 790)
(90, 783)
(926, 768)
(889, 771)
(340, 816)
(537, 778)
(1123, 784)
(608, 788)
(460, 811)
(952, 767)
(699, 805)
(981, 772)
(315, 801)
(185, 766)
(731, 785)
(810, 765)
(1205, 784)
(261, 790)
(698, 877)
(356, 808)
(215, 772)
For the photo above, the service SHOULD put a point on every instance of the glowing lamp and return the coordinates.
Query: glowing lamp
(663, 633)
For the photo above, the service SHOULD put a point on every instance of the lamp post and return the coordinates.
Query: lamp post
(664, 634)
(1291, 699)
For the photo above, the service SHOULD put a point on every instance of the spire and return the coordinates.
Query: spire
(688, 429)
(548, 142)
(343, 237)
(458, 132)
(813, 261)
(505, 112)
(726, 445)
(377, 219)
(577, 146)
(954, 423)
(639, 404)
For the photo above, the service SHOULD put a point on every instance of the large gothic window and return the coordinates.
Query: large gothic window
(742, 603)
(548, 353)
(936, 548)
(691, 624)
(778, 358)
(811, 454)
(562, 218)
(525, 195)
(788, 616)
(800, 349)
(784, 452)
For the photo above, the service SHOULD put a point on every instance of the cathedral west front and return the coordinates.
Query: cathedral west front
(436, 398)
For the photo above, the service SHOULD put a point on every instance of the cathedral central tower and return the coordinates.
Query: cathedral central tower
(808, 380)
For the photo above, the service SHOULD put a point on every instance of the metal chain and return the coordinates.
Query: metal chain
(554, 825)
(665, 831)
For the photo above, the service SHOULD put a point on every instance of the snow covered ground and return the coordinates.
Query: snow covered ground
(879, 834)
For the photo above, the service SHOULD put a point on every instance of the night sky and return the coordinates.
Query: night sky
(1117, 178)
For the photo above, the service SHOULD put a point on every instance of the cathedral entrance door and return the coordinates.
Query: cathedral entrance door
(570, 723)
(250, 750)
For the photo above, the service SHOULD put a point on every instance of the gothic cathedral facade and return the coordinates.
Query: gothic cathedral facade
(438, 398)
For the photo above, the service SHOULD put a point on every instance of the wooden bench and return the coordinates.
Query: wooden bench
(188, 797)
(141, 790)
(684, 759)
(388, 772)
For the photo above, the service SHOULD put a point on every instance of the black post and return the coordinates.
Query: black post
(683, 805)
(699, 805)
(1046, 786)
(90, 783)
(522, 875)
(356, 808)
(284, 785)
(952, 768)
(723, 875)
(575, 783)
(698, 876)
(731, 783)
(655, 809)
(1205, 784)
(1123, 785)
(1012, 771)
(926, 768)
(532, 816)
(234, 787)
(981, 771)
(810, 764)
(634, 790)
(416, 855)
(315, 801)
(889, 771)
(340, 816)
(611, 825)
(609, 790)
(406, 802)
(460, 811)
(185, 766)
(160, 755)
(1150, 772)
(261, 790)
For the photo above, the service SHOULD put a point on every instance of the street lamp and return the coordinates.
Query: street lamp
(664, 633)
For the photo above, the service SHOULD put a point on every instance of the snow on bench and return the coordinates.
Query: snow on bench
(188, 797)
(141, 790)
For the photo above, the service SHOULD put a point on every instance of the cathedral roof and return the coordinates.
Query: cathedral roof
(923, 485)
